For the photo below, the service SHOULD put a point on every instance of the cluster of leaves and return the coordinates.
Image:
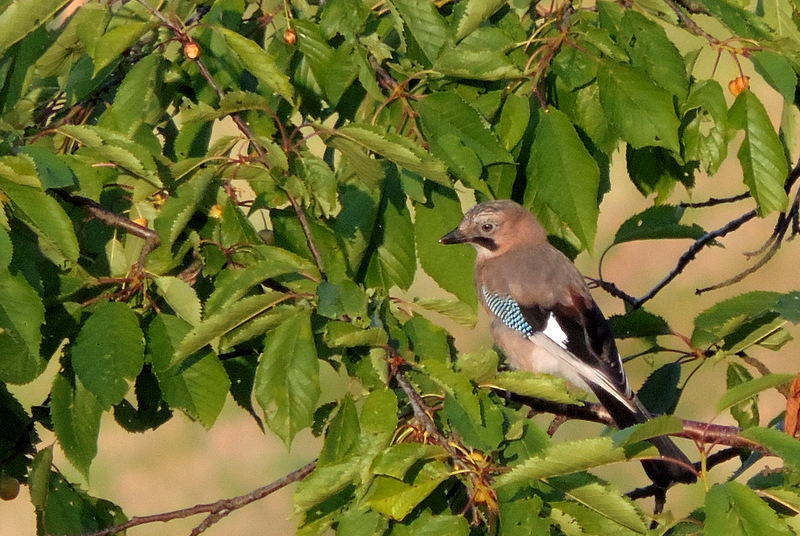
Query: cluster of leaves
(166, 258)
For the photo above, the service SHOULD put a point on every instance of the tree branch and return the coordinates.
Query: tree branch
(216, 510)
(701, 432)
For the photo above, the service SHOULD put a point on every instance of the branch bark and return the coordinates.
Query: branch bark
(216, 510)
(698, 431)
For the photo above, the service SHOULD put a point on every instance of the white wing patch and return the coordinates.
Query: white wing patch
(553, 330)
(573, 365)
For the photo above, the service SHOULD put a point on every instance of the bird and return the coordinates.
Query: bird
(545, 320)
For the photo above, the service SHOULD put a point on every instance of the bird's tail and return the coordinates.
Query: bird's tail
(675, 467)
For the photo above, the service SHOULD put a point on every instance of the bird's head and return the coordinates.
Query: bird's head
(494, 227)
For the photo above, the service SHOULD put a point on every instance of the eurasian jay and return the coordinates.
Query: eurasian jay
(545, 320)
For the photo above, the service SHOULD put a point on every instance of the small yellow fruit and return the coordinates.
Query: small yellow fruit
(290, 36)
(739, 84)
(215, 212)
(140, 221)
(9, 488)
(191, 50)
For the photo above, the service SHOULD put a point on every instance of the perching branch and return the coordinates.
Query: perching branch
(216, 510)
(150, 237)
(701, 432)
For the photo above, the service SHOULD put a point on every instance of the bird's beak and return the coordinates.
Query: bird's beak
(454, 237)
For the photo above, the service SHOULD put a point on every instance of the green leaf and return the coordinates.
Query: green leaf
(221, 323)
(660, 392)
(583, 107)
(116, 148)
(470, 15)
(361, 522)
(396, 498)
(521, 382)
(657, 426)
(379, 412)
(347, 335)
(657, 222)
(54, 172)
(41, 213)
(777, 442)
(181, 297)
(641, 111)
(788, 306)
(136, 102)
(563, 459)
(394, 261)
(232, 285)
(761, 154)
(333, 69)
(737, 374)
(179, 208)
(574, 68)
(62, 507)
(749, 389)
(521, 515)
(341, 437)
(446, 117)
(457, 311)
(428, 341)
(345, 17)
(604, 500)
(775, 69)
(450, 266)
(260, 64)
(514, 119)
(563, 175)
(21, 320)
(76, 420)
(733, 509)
(396, 460)
(22, 17)
(325, 482)
(425, 25)
(743, 23)
(576, 519)
(725, 317)
(343, 300)
(705, 137)
(112, 43)
(654, 170)
(108, 352)
(397, 149)
(287, 378)
(480, 56)
(428, 524)
(197, 386)
(638, 323)
(651, 49)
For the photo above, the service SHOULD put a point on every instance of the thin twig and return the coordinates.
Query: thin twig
(421, 413)
(108, 217)
(713, 201)
(687, 21)
(216, 510)
(783, 226)
(693, 250)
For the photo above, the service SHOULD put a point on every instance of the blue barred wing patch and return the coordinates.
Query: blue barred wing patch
(507, 310)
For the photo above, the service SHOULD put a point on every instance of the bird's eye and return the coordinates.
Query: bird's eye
(487, 227)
